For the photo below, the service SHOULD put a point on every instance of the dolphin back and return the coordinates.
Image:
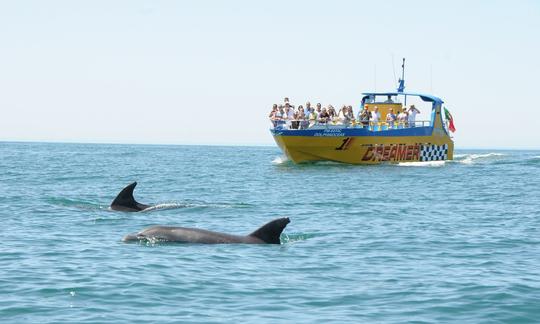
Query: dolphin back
(270, 232)
(125, 201)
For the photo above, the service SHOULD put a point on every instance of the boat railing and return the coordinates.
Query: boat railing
(302, 124)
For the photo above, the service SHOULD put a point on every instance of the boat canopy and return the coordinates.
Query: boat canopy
(424, 97)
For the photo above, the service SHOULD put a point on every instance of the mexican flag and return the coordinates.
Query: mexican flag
(450, 120)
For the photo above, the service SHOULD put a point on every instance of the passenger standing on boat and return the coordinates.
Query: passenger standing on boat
(389, 100)
(272, 115)
(297, 116)
(364, 117)
(412, 115)
(286, 101)
(402, 118)
(312, 117)
(332, 114)
(390, 118)
(343, 116)
(375, 115)
(324, 116)
(350, 113)
(279, 115)
(289, 111)
(302, 118)
(308, 107)
(318, 110)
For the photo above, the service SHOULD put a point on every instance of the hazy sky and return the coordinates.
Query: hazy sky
(208, 72)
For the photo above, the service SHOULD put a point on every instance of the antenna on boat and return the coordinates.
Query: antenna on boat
(401, 85)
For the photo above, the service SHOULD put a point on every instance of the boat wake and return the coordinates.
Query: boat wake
(194, 205)
(423, 164)
(280, 160)
(165, 206)
(294, 237)
(476, 158)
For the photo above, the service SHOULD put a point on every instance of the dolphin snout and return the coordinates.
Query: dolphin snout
(131, 237)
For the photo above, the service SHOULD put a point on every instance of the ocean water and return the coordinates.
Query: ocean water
(442, 242)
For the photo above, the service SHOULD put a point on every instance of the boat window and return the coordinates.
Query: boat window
(384, 99)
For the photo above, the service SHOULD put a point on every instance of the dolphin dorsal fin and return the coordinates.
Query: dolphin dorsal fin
(125, 200)
(270, 232)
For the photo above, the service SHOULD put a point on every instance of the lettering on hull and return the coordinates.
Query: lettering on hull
(331, 132)
(405, 152)
(345, 144)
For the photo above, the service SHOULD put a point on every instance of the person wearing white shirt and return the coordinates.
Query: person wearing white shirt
(402, 117)
(289, 115)
(375, 115)
(342, 116)
(412, 115)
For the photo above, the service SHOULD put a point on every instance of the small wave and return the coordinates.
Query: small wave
(110, 219)
(152, 241)
(294, 237)
(533, 161)
(176, 205)
(423, 164)
(280, 160)
(165, 206)
(79, 204)
(217, 205)
(473, 158)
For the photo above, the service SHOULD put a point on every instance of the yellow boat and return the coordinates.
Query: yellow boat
(372, 142)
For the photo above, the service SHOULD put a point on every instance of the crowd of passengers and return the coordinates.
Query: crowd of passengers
(303, 117)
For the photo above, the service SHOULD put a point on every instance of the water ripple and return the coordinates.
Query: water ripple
(454, 243)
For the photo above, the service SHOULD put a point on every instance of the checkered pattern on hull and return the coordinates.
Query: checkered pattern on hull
(434, 152)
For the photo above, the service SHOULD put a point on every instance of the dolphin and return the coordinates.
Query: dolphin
(125, 201)
(266, 234)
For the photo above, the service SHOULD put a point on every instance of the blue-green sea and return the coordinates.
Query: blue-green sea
(441, 242)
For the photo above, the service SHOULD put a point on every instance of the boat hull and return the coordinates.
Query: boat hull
(348, 146)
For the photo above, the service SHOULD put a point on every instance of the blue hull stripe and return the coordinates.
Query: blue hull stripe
(413, 131)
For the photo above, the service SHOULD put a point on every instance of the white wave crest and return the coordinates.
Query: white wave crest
(423, 164)
(164, 206)
(293, 237)
(280, 160)
(472, 158)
